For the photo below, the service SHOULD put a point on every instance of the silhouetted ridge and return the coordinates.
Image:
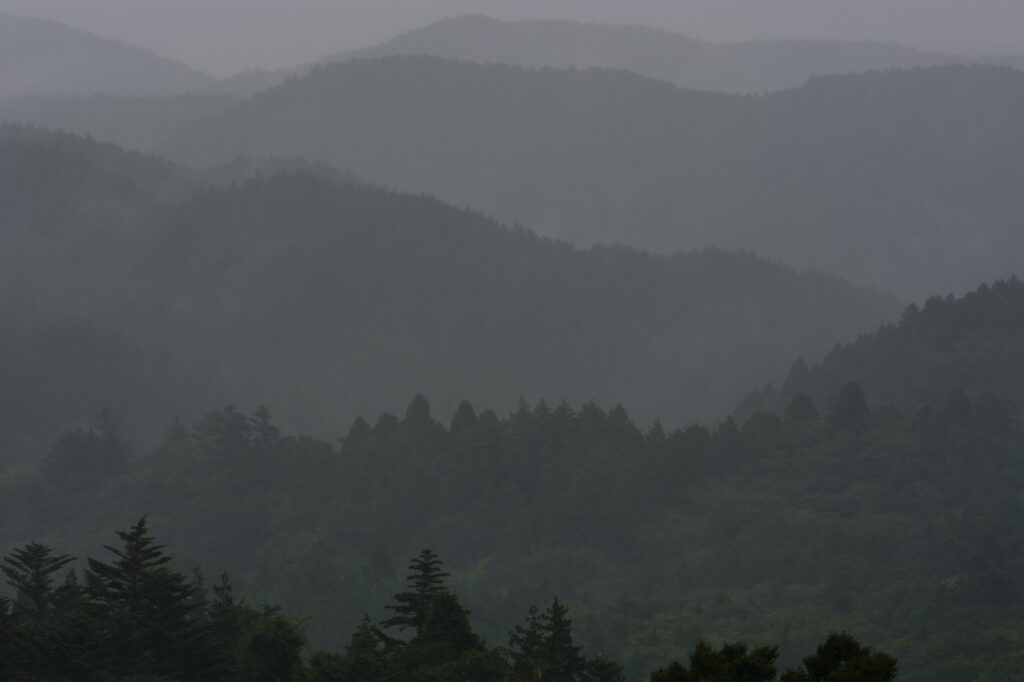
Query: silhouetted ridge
(904, 180)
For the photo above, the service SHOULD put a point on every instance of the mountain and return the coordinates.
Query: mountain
(903, 180)
(974, 343)
(132, 122)
(724, 67)
(327, 299)
(39, 57)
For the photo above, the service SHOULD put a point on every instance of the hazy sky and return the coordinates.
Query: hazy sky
(224, 36)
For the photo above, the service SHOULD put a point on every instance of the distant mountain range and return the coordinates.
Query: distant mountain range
(744, 67)
(39, 57)
(143, 287)
(905, 180)
(724, 67)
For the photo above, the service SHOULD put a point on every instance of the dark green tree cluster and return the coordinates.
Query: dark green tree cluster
(972, 342)
(134, 617)
(850, 516)
(841, 658)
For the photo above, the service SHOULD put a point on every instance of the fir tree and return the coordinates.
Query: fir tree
(30, 572)
(426, 582)
(145, 610)
(561, 658)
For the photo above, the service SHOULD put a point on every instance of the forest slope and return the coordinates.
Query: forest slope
(327, 299)
(974, 343)
(906, 181)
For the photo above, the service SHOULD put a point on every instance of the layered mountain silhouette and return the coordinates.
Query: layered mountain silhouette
(326, 298)
(905, 180)
(725, 67)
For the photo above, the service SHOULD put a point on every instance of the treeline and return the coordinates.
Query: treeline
(136, 284)
(901, 527)
(136, 617)
(972, 342)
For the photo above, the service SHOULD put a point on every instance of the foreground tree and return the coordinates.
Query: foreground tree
(728, 663)
(146, 612)
(542, 648)
(841, 658)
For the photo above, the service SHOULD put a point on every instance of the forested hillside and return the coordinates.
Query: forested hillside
(132, 122)
(325, 298)
(40, 57)
(973, 343)
(905, 180)
(900, 527)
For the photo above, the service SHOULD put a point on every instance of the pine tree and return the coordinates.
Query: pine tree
(526, 648)
(364, 659)
(39, 610)
(562, 661)
(30, 571)
(145, 610)
(850, 411)
(426, 582)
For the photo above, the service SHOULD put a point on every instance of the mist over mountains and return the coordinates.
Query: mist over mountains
(904, 180)
(40, 57)
(723, 344)
(378, 295)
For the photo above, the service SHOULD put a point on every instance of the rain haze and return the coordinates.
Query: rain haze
(511, 341)
(228, 36)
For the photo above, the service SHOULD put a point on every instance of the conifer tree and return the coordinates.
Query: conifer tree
(30, 571)
(849, 411)
(526, 644)
(145, 610)
(562, 659)
(426, 582)
(39, 609)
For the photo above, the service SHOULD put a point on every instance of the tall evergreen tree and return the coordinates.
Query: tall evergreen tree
(543, 647)
(526, 647)
(426, 582)
(145, 610)
(850, 411)
(30, 571)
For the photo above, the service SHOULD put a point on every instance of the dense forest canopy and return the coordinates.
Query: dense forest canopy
(971, 343)
(157, 291)
(897, 526)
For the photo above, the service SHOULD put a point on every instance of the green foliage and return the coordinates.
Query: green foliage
(767, 530)
(841, 658)
(969, 344)
(147, 611)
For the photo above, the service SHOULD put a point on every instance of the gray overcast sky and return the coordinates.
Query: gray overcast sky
(224, 36)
